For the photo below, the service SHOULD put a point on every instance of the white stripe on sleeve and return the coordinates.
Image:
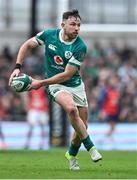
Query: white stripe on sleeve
(74, 61)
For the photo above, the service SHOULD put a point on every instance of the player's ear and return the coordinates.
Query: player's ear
(62, 24)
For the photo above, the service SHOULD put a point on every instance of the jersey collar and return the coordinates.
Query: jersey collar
(65, 42)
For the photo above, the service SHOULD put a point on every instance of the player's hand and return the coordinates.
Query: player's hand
(15, 73)
(36, 84)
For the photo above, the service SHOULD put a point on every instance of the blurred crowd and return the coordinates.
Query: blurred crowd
(107, 72)
(110, 74)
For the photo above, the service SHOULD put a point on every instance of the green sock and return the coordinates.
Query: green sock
(87, 143)
(73, 149)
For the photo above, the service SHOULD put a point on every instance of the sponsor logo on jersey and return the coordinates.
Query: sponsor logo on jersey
(58, 60)
(57, 67)
(68, 54)
(52, 47)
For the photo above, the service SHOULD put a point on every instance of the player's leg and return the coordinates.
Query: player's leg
(63, 96)
(66, 101)
(76, 142)
(95, 155)
(83, 113)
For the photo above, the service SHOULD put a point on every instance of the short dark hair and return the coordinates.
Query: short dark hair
(73, 13)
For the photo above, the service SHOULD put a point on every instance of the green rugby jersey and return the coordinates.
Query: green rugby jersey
(59, 53)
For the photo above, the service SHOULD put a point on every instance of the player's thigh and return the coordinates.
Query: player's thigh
(65, 99)
(77, 94)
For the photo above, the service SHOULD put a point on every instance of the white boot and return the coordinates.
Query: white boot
(95, 155)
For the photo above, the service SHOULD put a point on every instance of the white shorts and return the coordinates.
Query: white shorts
(37, 117)
(78, 93)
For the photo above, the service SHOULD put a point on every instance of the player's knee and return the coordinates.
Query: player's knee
(72, 109)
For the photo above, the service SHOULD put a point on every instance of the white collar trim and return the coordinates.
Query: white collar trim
(65, 42)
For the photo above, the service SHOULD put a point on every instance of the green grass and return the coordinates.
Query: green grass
(52, 165)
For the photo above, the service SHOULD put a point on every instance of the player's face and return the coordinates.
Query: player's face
(71, 27)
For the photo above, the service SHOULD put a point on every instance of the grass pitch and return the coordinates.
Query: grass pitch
(51, 164)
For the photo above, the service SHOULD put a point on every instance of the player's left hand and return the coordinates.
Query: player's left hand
(36, 84)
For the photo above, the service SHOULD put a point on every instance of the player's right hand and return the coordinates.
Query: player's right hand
(15, 73)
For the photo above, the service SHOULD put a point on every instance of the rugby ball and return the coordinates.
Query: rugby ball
(21, 83)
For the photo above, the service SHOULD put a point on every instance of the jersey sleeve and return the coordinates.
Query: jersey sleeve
(42, 36)
(78, 56)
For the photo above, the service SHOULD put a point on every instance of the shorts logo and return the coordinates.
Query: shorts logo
(68, 54)
(58, 60)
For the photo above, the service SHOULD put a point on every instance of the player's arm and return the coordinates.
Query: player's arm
(61, 77)
(29, 44)
(70, 70)
(39, 39)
